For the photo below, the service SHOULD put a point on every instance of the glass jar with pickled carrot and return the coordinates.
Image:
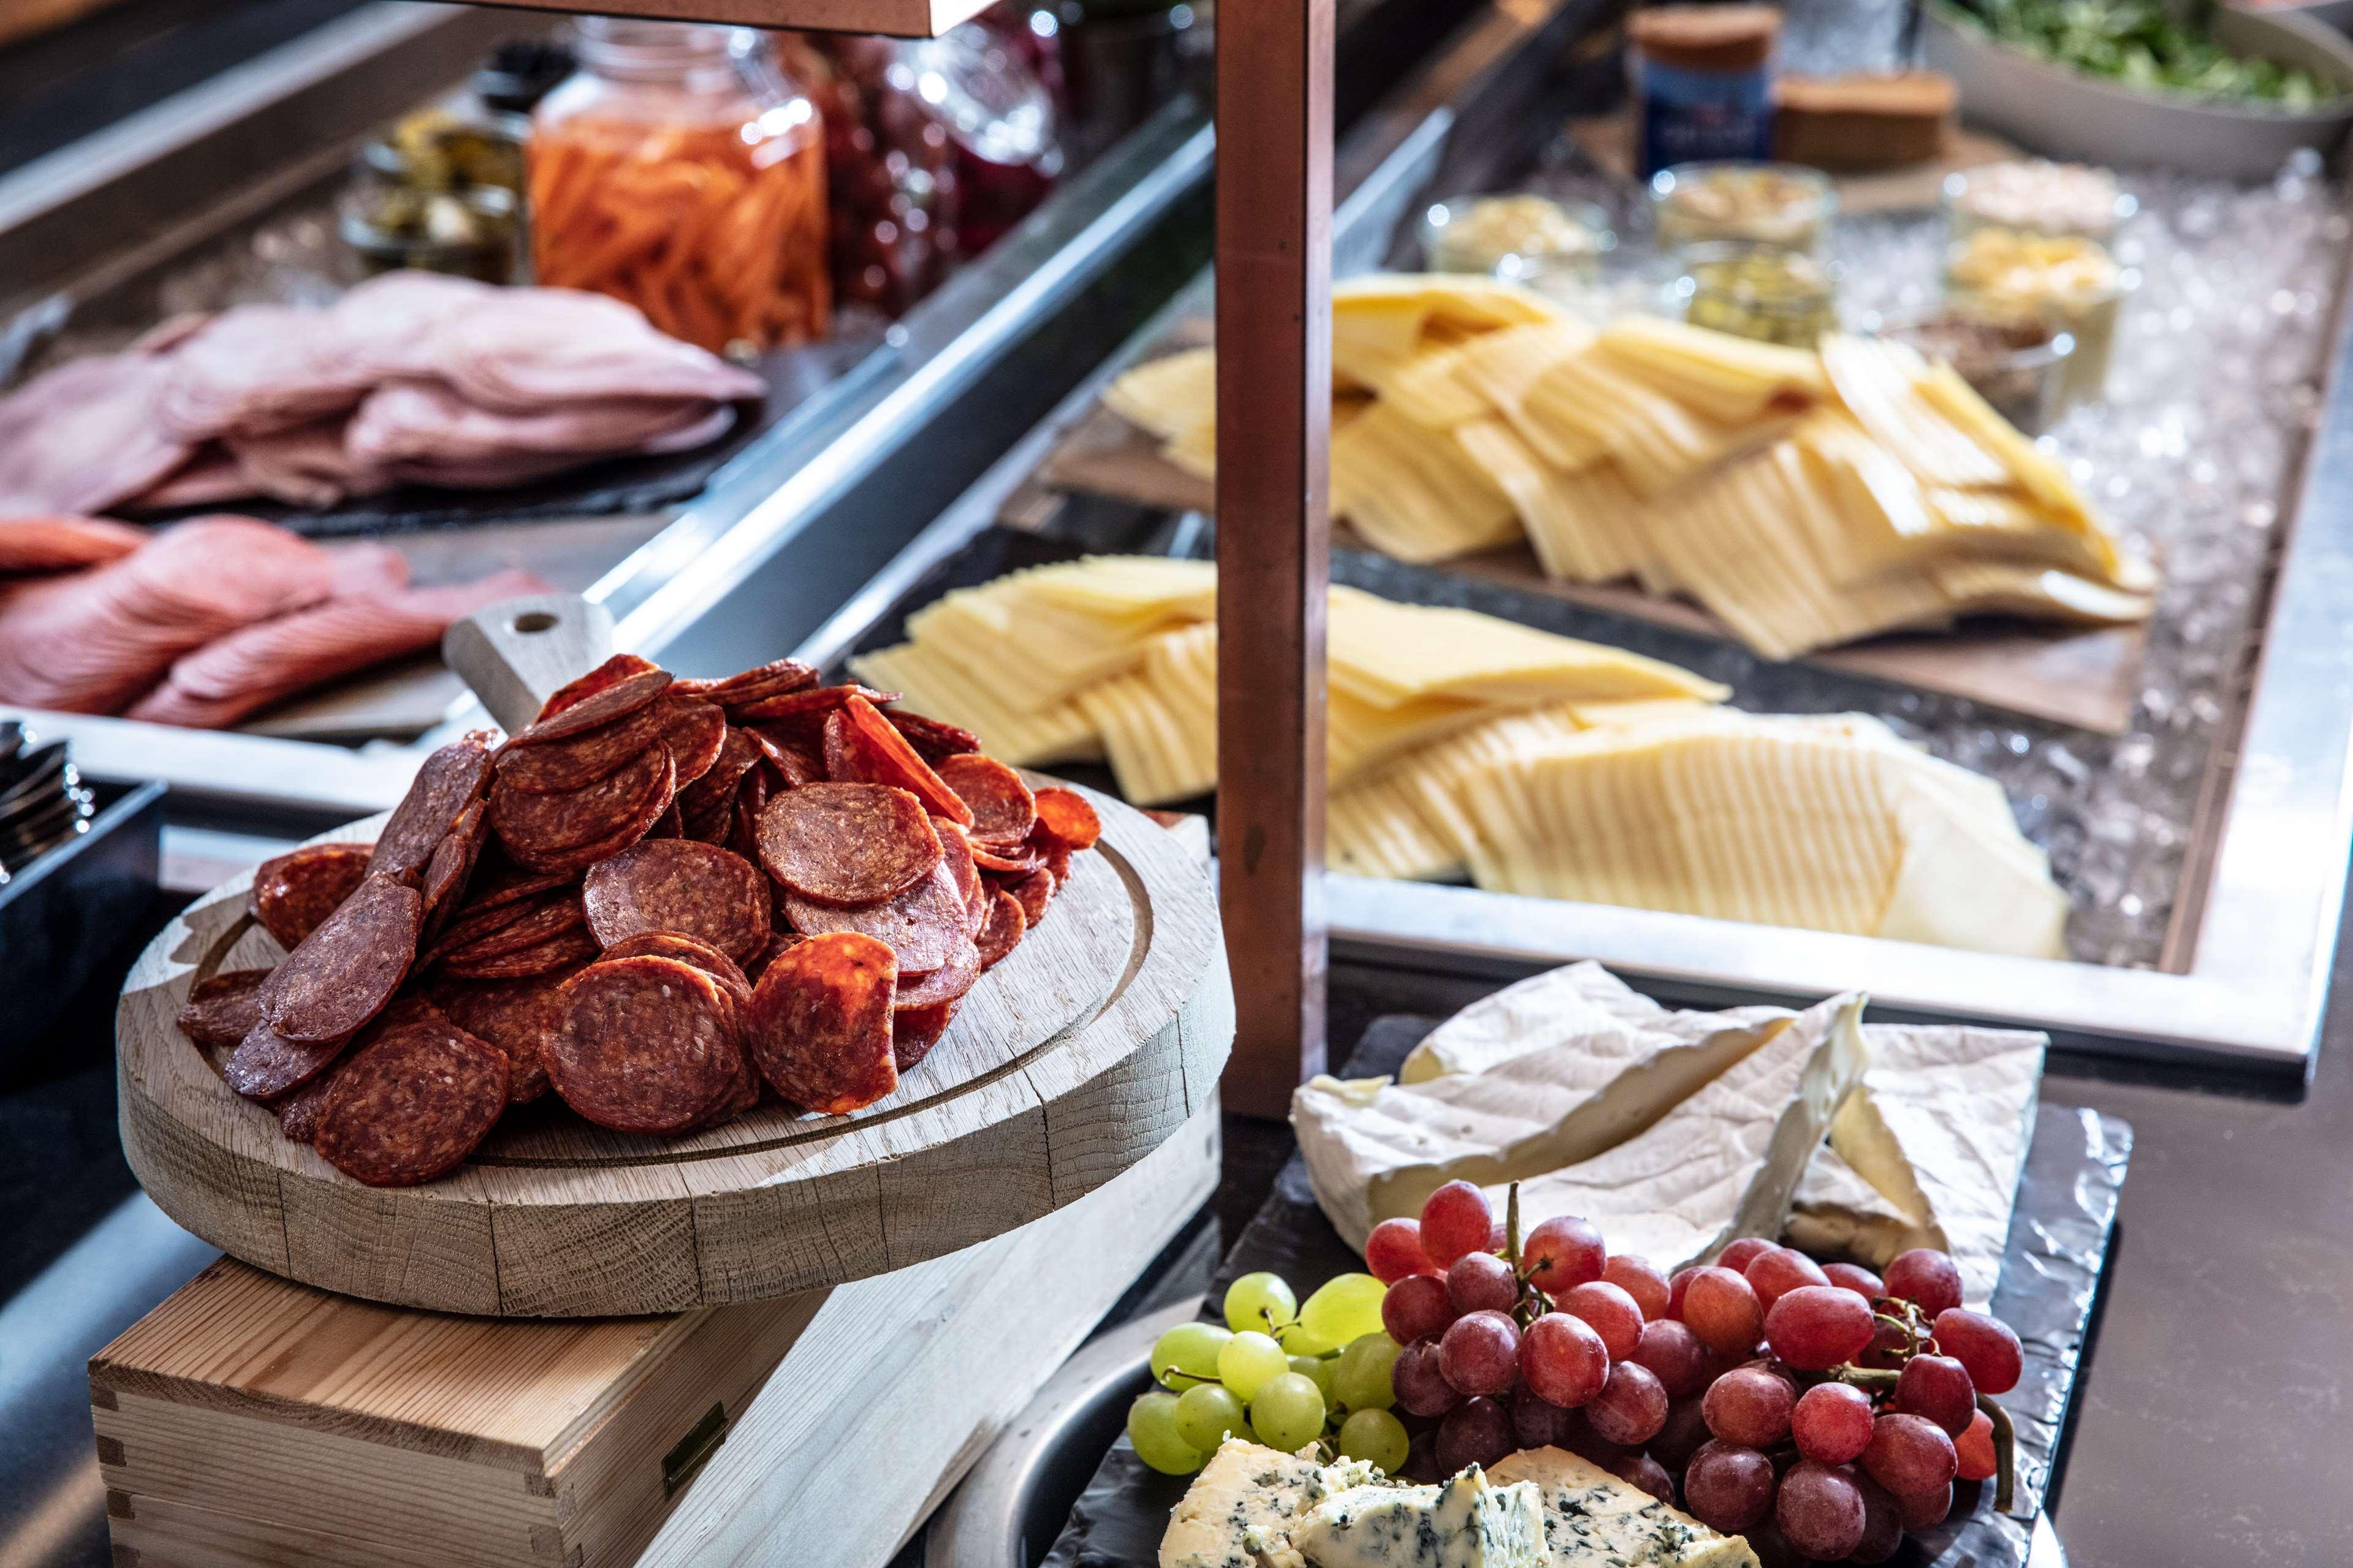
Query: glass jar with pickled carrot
(681, 171)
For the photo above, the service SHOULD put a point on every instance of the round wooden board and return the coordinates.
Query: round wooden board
(1069, 1062)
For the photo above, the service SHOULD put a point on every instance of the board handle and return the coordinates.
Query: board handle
(517, 652)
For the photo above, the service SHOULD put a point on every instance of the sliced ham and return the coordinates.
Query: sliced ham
(87, 436)
(248, 671)
(423, 430)
(306, 465)
(208, 478)
(256, 369)
(541, 347)
(63, 543)
(93, 641)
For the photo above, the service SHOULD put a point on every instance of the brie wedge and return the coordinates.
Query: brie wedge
(1725, 1162)
(1593, 1520)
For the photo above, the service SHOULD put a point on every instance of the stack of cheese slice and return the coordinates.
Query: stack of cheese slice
(1463, 745)
(1676, 1132)
(1254, 1507)
(1806, 498)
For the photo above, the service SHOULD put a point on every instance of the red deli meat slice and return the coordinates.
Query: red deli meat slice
(740, 690)
(648, 1045)
(266, 1064)
(860, 743)
(297, 1112)
(1068, 817)
(926, 927)
(567, 951)
(1002, 806)
(295, 891)
(955, 854)
(453, 866)
(695, 733)
(821, 1025)
(847, 844)
(222, 1009)
(679, 885)
(693, 951)
(511, 927)
(1035, 891)
(412, 1104)
(539, 827)
(610, 673)
(626, 695)
(518, 1016)
(933, 739)
(1007, 922)
(946, 983)
(578, 761)
(915, 1030)
(343, 974)
(798, 710)
(450, 780)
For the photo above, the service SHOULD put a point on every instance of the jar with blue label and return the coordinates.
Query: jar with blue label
(1702, 83)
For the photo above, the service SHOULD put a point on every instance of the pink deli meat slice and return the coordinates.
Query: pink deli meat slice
(538, 348)
(63, 543)
(85, 436)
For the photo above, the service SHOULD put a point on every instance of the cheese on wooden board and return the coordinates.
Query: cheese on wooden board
(1593, 1520)
(1724, 1162)
(1467, 1521)
(1599, 1066)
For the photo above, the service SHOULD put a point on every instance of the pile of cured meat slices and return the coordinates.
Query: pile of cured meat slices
(410, 378)
(661, 900)
(207, 621)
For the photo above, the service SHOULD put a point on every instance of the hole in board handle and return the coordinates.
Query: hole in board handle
(681, 1464)
(535, 621)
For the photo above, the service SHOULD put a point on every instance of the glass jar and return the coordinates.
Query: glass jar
(2020, 368)
(1759, 291)
(2034, 195)
(1480, 234)
(681, 171)
(1780, 204)
(468, 232)
(2065, 282)
(999, 121)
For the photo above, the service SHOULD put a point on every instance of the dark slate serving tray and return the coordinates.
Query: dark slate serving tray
(2051, 1279)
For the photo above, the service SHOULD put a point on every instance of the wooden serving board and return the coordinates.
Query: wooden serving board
(1069, 1062)
(2084, 677)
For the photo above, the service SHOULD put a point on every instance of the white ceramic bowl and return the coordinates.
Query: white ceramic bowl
(2062, 113)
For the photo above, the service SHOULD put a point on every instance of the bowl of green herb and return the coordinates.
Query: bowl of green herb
(2184, 85)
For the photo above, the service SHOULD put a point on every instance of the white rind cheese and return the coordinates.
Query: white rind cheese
(1593, 1520)
(1468, 1522)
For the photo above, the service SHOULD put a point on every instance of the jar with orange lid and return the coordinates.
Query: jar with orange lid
(681, 171)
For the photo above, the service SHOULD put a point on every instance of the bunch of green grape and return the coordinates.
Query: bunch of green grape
(1281, 1372)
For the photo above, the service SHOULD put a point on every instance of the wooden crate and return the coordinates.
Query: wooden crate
(250, 1420)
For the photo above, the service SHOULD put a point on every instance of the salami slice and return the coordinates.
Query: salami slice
(796, 761)
(1058, 865)
(648, 1045)
(412, 1104)
(820, 1025)
(679, 885)
(711, 798)
(583, 759)
(1002, 806)
(689, 949)
(475, 923)
(924, 927)
(599, 707)
(266, 1064)
(612, 672)
(532, 824)
(568, 950)
(1016, 865)
(450, 780)
(298, 1113)
(505, 886)
(527, 923)
(955, 854)
(343, 973)
(294, 892)
(695, 733)
(1066, 813)
(946, 983)
(933, 738)
(915, 1030)
(223, 1009)
(801, 708)
(860, 745)
(1035, 891)
(847, 844)
(518, 1016)
(453, 866)
(1001, 932)
(757, 685)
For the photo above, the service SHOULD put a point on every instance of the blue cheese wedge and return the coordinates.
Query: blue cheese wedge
(1240, 1510)
(1593, 1520)
(1468, 1522)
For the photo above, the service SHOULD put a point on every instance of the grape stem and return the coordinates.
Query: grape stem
(1873, 1380)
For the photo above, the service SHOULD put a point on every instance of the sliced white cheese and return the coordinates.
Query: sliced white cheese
(1467, 1522)
(1724, 1162)
(1601, 1065)
(1549, 1009)
(1593, 1520)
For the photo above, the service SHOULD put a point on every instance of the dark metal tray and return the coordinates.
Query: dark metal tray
(2050, 1293)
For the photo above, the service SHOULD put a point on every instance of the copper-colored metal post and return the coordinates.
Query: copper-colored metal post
(1274, 425)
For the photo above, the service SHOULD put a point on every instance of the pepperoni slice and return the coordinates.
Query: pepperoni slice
(859, 744)
(1002, 807)
(223, 1009)
(1067, 815)
(955, 854)
(772, 679)
(505, 886)
(412, 1104)
(933, 738)
(610, 673)
(946, 983)
(266, 1064)
(679, 885)
(793, 760)
(847, 844)
(689, 949)
(518, 1016)
(924, 927)
(706, 805)
(545, 825)
(821, 1024)
(519, 925)
(915, 1030)
(798, 708)
(453, 866)
(583, 759)
(1007, 923)
(1019, 863)
(567, 951)
(343, 974)
(695, 733)
(599, 707)
(294, 892)
(298, 1113)
(449, 781)
(1035, 891)
(570, 863)
(646, 1045)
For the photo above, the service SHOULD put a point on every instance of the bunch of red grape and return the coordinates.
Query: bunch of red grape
(1819, 1410)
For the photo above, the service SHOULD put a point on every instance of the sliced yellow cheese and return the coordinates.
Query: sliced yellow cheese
(1168, 396)
(1413, 491)
(945, 687)
(1729, 378)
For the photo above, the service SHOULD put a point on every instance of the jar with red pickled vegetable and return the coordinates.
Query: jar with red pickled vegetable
(681, 171)
(1000, 122)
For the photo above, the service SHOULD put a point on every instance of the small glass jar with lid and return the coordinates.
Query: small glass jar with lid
(2065, 281)
(2034, 195)
(681, 171)
(1781, 205)
(1760, 291)
(1484, 234)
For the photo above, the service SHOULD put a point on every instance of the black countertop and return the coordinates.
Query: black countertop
(2210, 1426)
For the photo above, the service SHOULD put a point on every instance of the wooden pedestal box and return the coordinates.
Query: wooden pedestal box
(249, 1420)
